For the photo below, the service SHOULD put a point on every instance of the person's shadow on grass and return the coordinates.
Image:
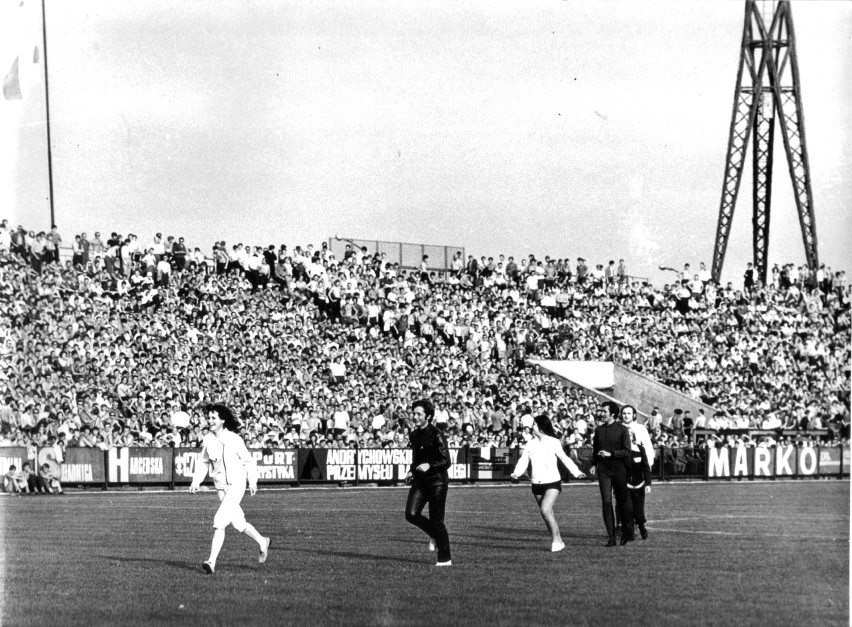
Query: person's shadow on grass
(507, 533)
(356, 556)
(194, 566)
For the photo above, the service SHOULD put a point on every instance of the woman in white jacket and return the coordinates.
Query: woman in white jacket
(231, 466)
(542, 453)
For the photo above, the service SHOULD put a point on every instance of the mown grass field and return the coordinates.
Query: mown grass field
(768, 553)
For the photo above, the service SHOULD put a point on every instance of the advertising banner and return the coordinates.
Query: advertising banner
(762, 460)
(367, 465)
(340, 464)
(491, 463)
(83, 465)
(829, 461)
(780, 461)
(742, 461)
(807, 462)
(185, 460)
(383, 464)
(739, 461)
(139, 465)
(275, 465)
(311, 464)
(460, 463)
(12, 456)
(785, 461)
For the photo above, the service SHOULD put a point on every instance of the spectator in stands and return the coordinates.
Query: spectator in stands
(743, 349)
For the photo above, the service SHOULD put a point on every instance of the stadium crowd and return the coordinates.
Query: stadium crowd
(124, 342)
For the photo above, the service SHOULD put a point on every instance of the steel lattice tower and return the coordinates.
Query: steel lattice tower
(767, 84)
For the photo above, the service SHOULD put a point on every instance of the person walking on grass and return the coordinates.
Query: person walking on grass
(429, 480)
(231, 466)
(611, 449)
(542, 454)
(642, 458)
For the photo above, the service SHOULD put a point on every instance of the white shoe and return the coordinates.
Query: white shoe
(556, 547)
(208, 567)
(432, 546)
(447, 563)
(264, 553)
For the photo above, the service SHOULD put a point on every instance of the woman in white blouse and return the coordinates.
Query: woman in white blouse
(541, 453)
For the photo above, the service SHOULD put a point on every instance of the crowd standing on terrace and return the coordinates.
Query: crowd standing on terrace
(125, 341)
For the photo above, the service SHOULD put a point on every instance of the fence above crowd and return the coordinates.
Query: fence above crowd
(407, 255)
(138, 466)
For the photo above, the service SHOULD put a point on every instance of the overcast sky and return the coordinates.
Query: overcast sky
(568, 128)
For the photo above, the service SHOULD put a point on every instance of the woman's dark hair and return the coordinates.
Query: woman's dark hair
(427, 406)
(232, 423)
(545, 426)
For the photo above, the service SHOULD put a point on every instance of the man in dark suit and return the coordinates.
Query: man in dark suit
(610, 463)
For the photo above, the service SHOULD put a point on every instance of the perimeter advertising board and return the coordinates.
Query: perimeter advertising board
(492, 463)
(12, 456)
(829, 461)
(139, 465)
(760, 462)
(83, 465)
(383, 464)
(368, 465)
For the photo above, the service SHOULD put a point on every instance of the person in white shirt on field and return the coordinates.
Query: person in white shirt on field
(542, 453)
(642, 460)
(231, 466)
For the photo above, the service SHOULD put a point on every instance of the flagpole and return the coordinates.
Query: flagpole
(47, 109)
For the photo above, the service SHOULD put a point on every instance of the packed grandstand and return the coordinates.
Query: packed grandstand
(115, 342)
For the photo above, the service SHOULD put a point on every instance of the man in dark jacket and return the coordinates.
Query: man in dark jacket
(611, 463)
(429, 480)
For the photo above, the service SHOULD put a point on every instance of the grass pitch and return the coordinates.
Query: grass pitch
(749, 553)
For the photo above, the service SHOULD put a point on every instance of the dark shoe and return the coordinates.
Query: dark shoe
(612, 541)
(643, 532)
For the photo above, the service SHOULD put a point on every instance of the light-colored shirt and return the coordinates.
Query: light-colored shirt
(227, 459)
(542, 454)
(639, 437)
